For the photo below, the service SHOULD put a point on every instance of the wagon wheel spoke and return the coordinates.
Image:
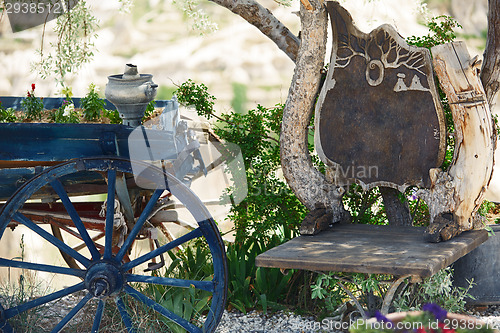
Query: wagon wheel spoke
(51, 239)
(139, 223)
(124, 314)
(42, 268)
(4, 326)
(168, 235)
(110, 214)
(202, 285)
(56, 231)
(14, 311)
(162, 310)
(57, 227)
(98, 316)
(58, 187)
(72, 313)
(162, 249)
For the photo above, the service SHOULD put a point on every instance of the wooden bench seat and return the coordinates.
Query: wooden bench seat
(365, 248)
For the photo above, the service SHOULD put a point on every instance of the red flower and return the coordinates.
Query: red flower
(33, 86)
(29, 95)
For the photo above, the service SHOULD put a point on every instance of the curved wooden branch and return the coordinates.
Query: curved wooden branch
(266, 22)
(460, 190)
(490, 73)
(310, 186)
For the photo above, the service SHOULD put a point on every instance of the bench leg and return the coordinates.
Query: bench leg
(390, 294)
(362, 312)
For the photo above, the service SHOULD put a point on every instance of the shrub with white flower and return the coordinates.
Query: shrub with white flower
(66, 113)
(68, 110)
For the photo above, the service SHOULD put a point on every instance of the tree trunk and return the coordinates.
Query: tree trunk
(310, 186)
(398, 212)
(265, 21)
(490, 73)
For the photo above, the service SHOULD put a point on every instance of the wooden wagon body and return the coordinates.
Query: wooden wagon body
(45, 169)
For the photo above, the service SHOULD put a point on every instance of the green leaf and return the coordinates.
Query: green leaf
(238, 304)
(263, 302)
(202, 304)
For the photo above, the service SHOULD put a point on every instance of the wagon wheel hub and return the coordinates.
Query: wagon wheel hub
(104, 279)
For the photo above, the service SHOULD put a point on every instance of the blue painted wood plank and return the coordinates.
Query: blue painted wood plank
(61, 142)
(12, 179)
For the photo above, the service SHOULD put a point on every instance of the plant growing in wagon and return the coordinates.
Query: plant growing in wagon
(7, 115)
(92, 105)
(32, 105)
(66, 113)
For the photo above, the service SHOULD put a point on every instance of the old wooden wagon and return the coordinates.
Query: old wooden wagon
(77, 188)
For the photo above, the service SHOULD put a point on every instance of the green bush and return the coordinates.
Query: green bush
(92, 105)
(113, 116)
(269, 215)
(436, 289)
(190, 263)
(441, 31)
(7, 115)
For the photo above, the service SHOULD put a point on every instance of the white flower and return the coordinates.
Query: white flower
(68, 109)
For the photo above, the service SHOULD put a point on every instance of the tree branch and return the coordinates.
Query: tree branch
(310, 186)
(490, 73)
(266, 22)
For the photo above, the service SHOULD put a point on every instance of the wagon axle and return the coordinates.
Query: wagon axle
(104, 278)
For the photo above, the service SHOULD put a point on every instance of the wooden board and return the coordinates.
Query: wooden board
(379, 121)
(460, 189)
(60, 142)
(371, 249)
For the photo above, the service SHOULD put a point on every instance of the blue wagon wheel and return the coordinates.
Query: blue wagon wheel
(110, 277)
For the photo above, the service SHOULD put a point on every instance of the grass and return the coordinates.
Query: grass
(23, 290)
(43, 318)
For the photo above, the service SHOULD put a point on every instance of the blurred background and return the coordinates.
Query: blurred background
(240, 66)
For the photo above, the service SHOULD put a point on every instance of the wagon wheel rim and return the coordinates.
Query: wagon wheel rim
(107, 277)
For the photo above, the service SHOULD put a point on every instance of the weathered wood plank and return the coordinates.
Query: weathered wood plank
(61, 142)
(371, 249)
(460, 189)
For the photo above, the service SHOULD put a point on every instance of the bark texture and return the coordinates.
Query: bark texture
(460, 190)
(490, 73)
(311, 187)
(398, 213)
(266, 22)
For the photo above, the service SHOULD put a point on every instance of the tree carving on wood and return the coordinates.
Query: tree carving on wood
(378, 121)
(390, 53)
